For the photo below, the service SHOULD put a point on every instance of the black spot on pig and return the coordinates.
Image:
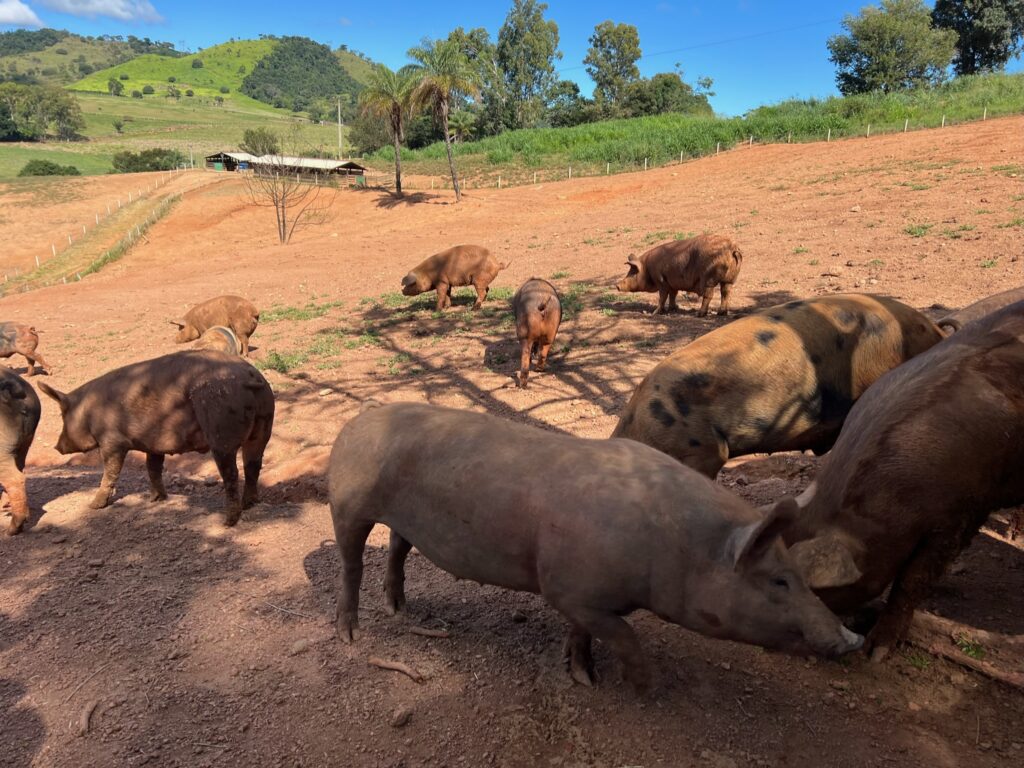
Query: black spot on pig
(840, 342)
(694, 442)
(775, 318)
(766, 337)
(661, 413)
(816, 359)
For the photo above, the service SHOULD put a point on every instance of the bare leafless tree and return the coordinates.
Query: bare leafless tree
(298, 196)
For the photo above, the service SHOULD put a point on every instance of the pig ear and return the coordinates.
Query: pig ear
(631, 260)
(60, 397)
(751, 542)
(181, 326)
(825, 561)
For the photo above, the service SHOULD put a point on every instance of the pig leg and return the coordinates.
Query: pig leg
(724, 289)
(252, 462)
(672, 304)
(442, 295)
(1016, 524)
(244, 341)
(542, 357)
(662, 298)
(155, 469)
(614, 632)
(228, 468)
(481, 294)
(13, 481)
(910, 588)
(351, 538)
(705, 300)
(113, 461)
(394, 577)
(577, 654)
(524, 361)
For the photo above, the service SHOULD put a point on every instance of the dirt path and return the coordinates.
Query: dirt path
(205, 646)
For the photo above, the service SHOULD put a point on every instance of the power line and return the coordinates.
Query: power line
(727, 41)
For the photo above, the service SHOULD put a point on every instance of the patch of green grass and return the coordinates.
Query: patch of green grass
(561, 274)
(310, 311)
(282, 362)
(369, 338)
(989, 263)
(800, 249)
(918, 230)
(646, 344)
(983, 212)
(395, 361)
(608, 312)
(969, 647)
(956, 234)
(504, 293)
(572, 299)
(683, 235)
(920, 187)
(753, 211)
(813, 263)
(876, 263)
(1010, 169)
(655, 237)
(919, 661)
(1017, 222)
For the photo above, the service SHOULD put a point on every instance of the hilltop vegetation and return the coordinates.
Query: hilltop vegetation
(58, 57)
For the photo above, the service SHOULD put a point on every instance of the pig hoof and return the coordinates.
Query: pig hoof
(348, 629)
(879, 654)
(158, 496)
(581, 674)
(13, 529)
(231, 517)
(99, 501)
(248, 500)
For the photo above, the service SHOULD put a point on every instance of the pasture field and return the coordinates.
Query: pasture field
(165, 639)
(58, 63)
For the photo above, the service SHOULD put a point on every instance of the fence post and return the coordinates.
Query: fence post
(906, 123)
(751, 142)
(829, 135)
(535, 178)
(431, 182)
(83, 229)
(943, 121)
(69, 239)
(645, 163)
(97, 219)
(570, 171)
(119, 203)
(37, 262)
(129, 197)
(680, 157)
(607, 169)
(53, 248)
(108, 209)
(789, 137)
(499, 181)
(869, 130)
(718, 147)
(985, 115)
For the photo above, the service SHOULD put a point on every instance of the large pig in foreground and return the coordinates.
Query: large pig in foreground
(221, 339)
(599, 528)
(19, 417)
(179, 403)
(538, 313)
(462, 265)
(930, 450)
(980, 309)
(21, 339)
(694, 265)
(234, 312)
(779, 380)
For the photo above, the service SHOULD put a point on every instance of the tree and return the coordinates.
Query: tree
(148, 89)
(260, 141)
(611, 59)
(527, 50)
(118, 125)
(890, 48)
(136, 94)
(988, 32)
(197, 63)
(665, 92)
(114, 87)
(47, 168)
(388, 97)
(461, 125)
(173, 92)
(567, 107)
(494, 115)
(442, 74)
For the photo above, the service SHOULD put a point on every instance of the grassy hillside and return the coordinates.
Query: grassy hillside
(224, 66)
(357, 67)
(625, 144)
(62, 63)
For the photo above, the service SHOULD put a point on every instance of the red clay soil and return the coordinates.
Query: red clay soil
(150, 634)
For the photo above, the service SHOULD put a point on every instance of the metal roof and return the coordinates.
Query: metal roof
(299, 162)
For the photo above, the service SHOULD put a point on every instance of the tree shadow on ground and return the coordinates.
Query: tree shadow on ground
(389, 201)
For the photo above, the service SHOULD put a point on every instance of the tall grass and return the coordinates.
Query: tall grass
(664, 138)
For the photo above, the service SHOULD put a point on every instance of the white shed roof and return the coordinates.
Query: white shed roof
(298, 162)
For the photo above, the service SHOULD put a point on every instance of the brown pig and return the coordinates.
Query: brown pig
(602, 528)
(778, 380)
(234, 312)
(694, 265)
(199, 400)
(538, 313)
(19, 417)
(458, 266)
(21, 339)
(221, 339)
(926, 454)
(980, 309)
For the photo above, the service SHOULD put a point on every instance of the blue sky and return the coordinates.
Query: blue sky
(757, 51)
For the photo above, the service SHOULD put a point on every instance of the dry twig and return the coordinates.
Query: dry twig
(395, 666)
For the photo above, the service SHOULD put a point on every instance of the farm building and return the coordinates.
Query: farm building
(230, 161)
(307, 165)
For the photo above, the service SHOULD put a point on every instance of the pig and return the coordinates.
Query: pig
(778, 380)
(220, 338)
(234, 312)
(197, 400)
(979, 309)
(538, 313)
(461, 265)
(926, 454)
(599, 528)
(19, 417)
(694, 265)
(21, 339)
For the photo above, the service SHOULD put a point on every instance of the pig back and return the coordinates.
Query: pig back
(17, 338)
(984, 307)
(234, 312)
(19, 414)
(504, 503)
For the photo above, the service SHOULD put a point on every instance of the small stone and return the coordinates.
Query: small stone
(210, 481)
(725, 665)
(401, 717)
(840, 685)
(914, 706)
(832, 272)
(324, 392)
(299, 646)
(985, 745)
(96, 563)
(60, 539)
(850, 263)
(872, 281)
(518, 617)
(855, 209)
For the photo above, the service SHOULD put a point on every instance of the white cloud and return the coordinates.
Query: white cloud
(345, 21)
(125, 10)
(16, 13)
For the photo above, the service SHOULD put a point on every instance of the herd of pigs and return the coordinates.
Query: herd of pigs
(922, 424)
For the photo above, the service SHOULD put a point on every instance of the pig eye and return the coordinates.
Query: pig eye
(780, 583)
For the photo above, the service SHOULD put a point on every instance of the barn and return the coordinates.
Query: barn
(230, 161)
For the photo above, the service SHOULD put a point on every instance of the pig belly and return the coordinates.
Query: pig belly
(475, 549)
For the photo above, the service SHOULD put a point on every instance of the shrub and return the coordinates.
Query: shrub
(148, 89)
(225, 89)
(123, 76)
(172, 79)
(47, 168)
(61, 51)
(136, 94)
(189, 92)
(197, 63)
(147, 160)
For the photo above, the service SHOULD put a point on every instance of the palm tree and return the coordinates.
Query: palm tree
(388, 96)
(443, 73)
(461, 124)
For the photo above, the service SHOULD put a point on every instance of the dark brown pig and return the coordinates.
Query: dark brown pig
(779, 380)
(19, 417)
(926, 454)
(21, 339)
(538, 313)
(980, 309)
(234, 312)
(458, 266)
(221, 339)
(600, 529)
(694, 265)
(198, 400)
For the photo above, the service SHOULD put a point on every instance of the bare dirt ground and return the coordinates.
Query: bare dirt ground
(150, 634)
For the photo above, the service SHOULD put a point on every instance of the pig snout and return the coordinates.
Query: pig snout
(853, 641)
(627, 285)
(410, 285)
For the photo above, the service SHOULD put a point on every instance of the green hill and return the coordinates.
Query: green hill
(358, 67)
(223, 66)
(55, 57)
